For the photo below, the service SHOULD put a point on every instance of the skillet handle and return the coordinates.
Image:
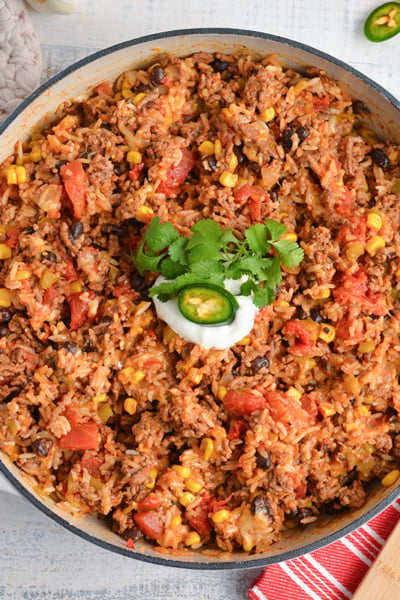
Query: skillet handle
(6, 486)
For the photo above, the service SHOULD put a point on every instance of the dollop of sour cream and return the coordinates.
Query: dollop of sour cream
(210, 336)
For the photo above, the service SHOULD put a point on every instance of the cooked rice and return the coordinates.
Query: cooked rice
(81, 349)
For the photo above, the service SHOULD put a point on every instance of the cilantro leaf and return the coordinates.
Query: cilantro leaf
(177, 251)
(159, 235)
(145, 261)
(170, 269)
(290, 253)
(257, 238)
(208, 269)
(275, 229)
(263, 296)
(274, 276)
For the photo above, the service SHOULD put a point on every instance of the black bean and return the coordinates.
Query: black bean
(380, 158)
(75, 231)
(292, 514)
(316, 315)
(287, 141)
(3, 330)
(71, 347)
(157, 75)
(301, 313)
(333, 507)
(107, 320)
(133, 533)
(273, 194)
(263, 459)
(260, 362)
(212, 163)
(5, 315)
(137, 280)
(88, 344)
(238, 151)
(360, 108)
(143, 88)
(304, 513)
(261, 506)
(28, 230)
(303, 133)
(114, 229)
(107, 126)
(48, 257)
(219, 66)
(117, 168)
(144, 292)
(42, 446)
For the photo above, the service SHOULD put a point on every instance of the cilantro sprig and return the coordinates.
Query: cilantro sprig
(212, 254)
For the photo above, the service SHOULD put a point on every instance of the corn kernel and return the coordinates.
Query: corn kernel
(375, 243)
(193, 486)
(217, 149)
(281, 304)
(299, 87)
(134, 157)
(105, 412)
(222, 391)
(100, 398)
(352, 385)
(144, 214)
(321, 294)
(365, 347)
(327, 333)
(390, 478)
(233, 162)
(21, 174)
(36, 153)
(47, 279)
(350, 427)
(182, 471)
(374, 221)
(186, 499)
(22, 274)
(207, 148)
(75, 287)
(290, 236)
(207, 448)
(268, 114)
(368, 135)
(125, 375)
(362, 411)
(228, 179)
(5, 297)
(293, 393)
(192, 539)
(137, 377)
(11, 174)
(138, 98)
(327, 409)
(5, 252)
(247, 545)
(244, 341)
(153, 477)
(221, 515)
(126, 93)
(354, 251)
(176, 520)
(21, 160)
(130, 405)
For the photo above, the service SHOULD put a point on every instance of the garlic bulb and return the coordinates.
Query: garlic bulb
(63, 7)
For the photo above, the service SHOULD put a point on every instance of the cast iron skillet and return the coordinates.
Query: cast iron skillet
(108, 64)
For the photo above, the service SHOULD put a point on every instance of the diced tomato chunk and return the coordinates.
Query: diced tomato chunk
(75, 184)
(152, 502)
(351, 329)
(304, 344)
(150, 523)
(287, 411)
(237, 429)
(243, 402)
(12, 237)
(252, 195)
(135, 172)
(321, 103)
(82, 436)
(198, 518)
(92, 464)
(68, 269)
(50, 295)
(309, 404)
(177, 173)
(79, 308)
(353, 289)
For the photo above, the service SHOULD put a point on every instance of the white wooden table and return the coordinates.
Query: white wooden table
(39, 560)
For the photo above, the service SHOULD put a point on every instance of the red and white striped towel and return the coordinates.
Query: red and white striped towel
(331, 573)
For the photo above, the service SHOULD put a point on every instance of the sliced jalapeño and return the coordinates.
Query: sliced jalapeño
(207, 304)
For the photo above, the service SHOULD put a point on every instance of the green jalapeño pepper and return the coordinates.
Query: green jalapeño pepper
(383, 23)
(207, 304)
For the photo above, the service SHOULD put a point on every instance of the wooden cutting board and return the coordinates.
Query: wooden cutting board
(382, 581)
